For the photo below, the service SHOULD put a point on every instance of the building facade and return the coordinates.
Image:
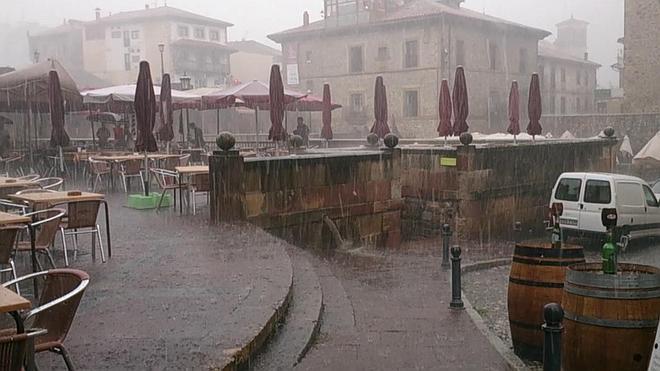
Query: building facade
(413, 44)
(568, 77)
(112, 47)
(641, 76)
(252, 61)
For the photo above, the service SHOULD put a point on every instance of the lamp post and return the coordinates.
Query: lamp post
(36, 56)
(185, 85)
(161, 48)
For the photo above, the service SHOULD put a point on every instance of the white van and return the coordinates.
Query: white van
(585, 195)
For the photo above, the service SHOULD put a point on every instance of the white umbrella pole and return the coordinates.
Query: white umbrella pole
(256, 129)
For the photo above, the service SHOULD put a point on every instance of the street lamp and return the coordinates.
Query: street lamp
(161, 48)
(36, 56)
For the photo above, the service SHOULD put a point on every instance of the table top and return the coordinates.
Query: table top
(7, 218)
(53, 198)
(14, 183)
(191, 170)
(119, 158)
(12, 302)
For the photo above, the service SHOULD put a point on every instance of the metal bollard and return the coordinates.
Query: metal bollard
(552, 328)
(456, 301)
(446, 237)
(517, 231)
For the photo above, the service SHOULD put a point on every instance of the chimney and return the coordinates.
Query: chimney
(305, 18)
(586, 56)
(98, 13)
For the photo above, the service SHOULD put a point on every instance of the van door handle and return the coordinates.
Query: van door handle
(581, 206)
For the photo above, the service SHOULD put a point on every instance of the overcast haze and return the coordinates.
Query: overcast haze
(254, 19)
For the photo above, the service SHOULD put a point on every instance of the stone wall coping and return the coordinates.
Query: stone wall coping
(311, 156)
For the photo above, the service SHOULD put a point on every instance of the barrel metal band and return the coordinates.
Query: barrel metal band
(535, 252)
(610, 323)
(562, 263)
(643, 281)
(553, 285)
(611, 294)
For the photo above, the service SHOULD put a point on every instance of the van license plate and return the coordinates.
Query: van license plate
(566, 221)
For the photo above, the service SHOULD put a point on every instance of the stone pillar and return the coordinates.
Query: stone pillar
(227, 188)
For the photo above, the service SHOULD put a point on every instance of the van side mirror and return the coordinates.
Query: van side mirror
(609, 218)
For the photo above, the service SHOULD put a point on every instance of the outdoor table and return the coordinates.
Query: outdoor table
(11, 185)
(12, 303)
(46, 200)
(115, 159)
(188, 171)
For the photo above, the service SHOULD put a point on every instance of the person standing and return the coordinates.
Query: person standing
(303, 131)
(5, 140)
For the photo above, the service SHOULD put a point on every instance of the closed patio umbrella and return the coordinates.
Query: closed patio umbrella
(58, 136)
(380, 126)
(461, 105)
(166, 129)
(145, 114)
(534, 107)
(326, 131)
(514, 111)
(276, 93)
(444, 128)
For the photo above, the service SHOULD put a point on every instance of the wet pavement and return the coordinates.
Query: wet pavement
(390, 311)
(176, 295)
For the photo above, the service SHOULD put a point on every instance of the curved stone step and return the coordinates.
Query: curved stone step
(301, 324)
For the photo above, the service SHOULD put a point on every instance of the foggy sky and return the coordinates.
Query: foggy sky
(254, 19)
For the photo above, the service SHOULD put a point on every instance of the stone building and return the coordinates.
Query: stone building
(641, 76)
(252, 60)
(413, 44)
(568, 77)
(111, 47)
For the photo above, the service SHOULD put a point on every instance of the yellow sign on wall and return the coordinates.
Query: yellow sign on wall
(448, 161)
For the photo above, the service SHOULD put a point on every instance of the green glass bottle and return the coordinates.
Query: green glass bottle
(609, 256)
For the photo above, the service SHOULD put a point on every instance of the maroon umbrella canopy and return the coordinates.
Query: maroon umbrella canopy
(276, 95)
(58, 136)
(326, 132)
(460, 100)
(145, 110)
(253, 94)
(534, 107)
(445, 129)
(514, 110)
(166, 129)
(380, 126)
(309, 103)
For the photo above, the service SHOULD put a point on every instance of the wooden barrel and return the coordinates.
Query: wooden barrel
(536, 279)
(610, 320)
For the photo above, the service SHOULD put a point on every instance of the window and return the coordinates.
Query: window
(127, 39)
(383, 53)
(553, 106)
(562, 105)
(523, 61)
(355, 61)
(135, 58)
(650, 197)
(627, 194)
(411, 54)
(460, 53)
(578, 105)
(569, 190)
(116, 34)
(578, 78)
(357, 103)
(553, 78)
(563, 75)
(492, 55)
(135, 35)
(183, 31)
(199, 33)
(586, 79)
(308, 56)
(127, 62)
(411, 103)
(214, 35)
(598, 192)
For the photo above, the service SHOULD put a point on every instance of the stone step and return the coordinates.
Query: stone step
(301, 324)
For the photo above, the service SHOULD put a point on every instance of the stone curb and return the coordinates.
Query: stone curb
(514, 363)
(240, 358)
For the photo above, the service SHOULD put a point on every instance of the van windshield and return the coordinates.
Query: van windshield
(569, 190)
(598, 192)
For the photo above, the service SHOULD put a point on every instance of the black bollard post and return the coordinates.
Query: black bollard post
(446, 236)
(456, 301)
(552, 328)
(517, 231)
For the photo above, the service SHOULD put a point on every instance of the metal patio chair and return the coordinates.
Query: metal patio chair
(12, 207)
(14, 348)
(29, 178)
(167, 181)
(131, 169)
(199, 183)
(53, 183)
(98, 170)
(46, 226)
(63, 289)
(8, 237)
(81, 218)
